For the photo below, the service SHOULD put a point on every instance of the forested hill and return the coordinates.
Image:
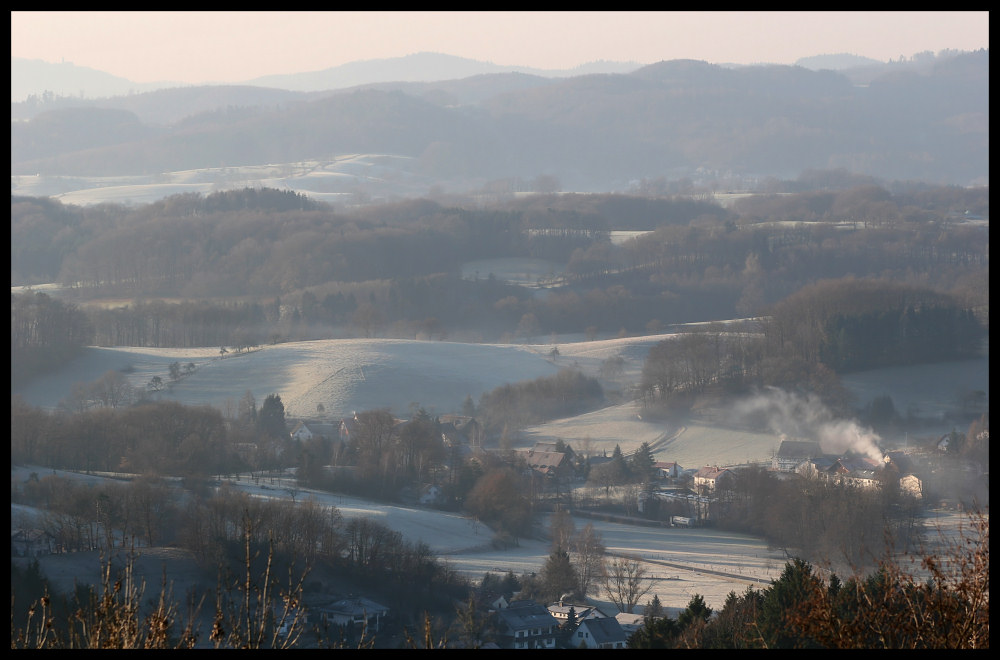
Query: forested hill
(244, 268)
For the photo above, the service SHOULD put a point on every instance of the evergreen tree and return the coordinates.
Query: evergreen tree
(785, 595)
(653, 609)
(558, 576)
(271, 418)
(655, 634)
(642, 463)
(695, 611)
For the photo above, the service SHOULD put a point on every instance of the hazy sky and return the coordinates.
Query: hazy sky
(201, 47)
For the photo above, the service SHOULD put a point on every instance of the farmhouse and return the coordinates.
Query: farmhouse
(525, 624)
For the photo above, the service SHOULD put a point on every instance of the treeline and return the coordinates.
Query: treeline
(893, 607)
(218, 528)
(158, 437)
(807, 339)
(249, 242)
(44, 334)
(264, 265)
(516, 405)
(844, 525)
(852, 324)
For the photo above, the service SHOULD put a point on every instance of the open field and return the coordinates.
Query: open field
(352, 375)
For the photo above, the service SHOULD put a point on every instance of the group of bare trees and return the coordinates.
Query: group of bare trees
(44, 333)
(578, 567)
(823, 329)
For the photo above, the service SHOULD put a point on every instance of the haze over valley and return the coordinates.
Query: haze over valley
(670, 339)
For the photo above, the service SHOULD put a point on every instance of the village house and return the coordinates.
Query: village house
(356, 611)
(600, 633)
(554, 465)
(855, 471)
(711, 478)
(525, 624)
(560, 610)
(461, 430)
(665, 470)
(31, 543)
(815, 467)
(791, 453)
(301, 432)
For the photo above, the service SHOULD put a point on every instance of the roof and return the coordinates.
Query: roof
(358, 605)
(579, 611)
(857, 464)
(525, 614)
(710, 472)
(605, 630)
(551, 446)
(546, 461)
(799, 449)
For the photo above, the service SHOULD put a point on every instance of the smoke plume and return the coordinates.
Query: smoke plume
(807, 418)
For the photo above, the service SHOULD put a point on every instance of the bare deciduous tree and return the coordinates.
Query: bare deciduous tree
(625, 582)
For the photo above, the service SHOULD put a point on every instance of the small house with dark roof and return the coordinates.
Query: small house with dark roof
(525, 624)
(555, 465)
(601, 633)
(355, 611)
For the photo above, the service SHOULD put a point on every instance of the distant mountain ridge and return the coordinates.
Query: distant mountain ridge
(836, 61)
(32, 76)
(419, 67)
(35, 77)
(592, 132)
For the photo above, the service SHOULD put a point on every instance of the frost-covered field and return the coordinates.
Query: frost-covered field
(344, 375)
(351, 375)
(361, 374)
(329, 180)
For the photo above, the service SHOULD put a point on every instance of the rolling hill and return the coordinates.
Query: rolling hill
(353, 375)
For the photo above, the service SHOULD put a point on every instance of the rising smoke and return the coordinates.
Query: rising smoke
(806, 417)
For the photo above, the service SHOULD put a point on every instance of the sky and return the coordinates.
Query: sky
(214, 47)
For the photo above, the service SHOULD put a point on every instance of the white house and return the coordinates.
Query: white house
(667, 470)
(601, 633)
(301, 432)
(711, 477)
